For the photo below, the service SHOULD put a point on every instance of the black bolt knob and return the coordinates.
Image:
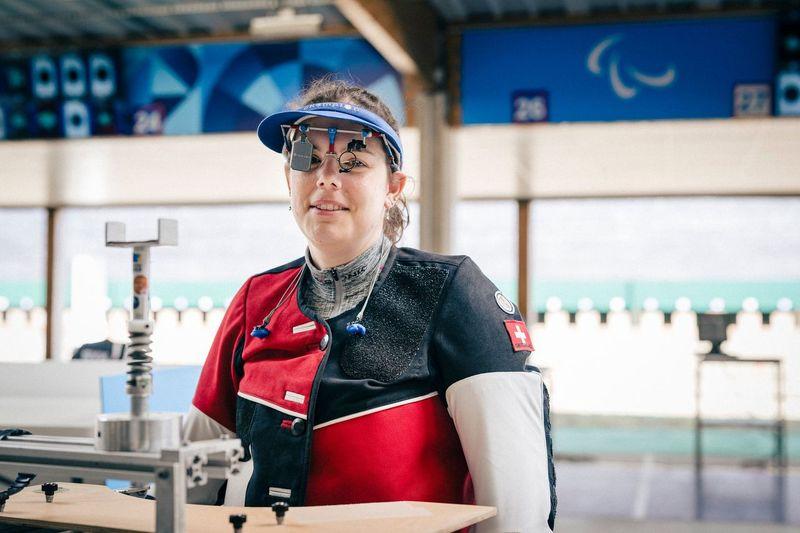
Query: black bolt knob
(280, 508)
(237, 520)
(49, 489)
(298, 427)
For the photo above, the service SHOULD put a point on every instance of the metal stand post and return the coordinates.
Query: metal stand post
(139, 431)
(138, 446)
(776, 426)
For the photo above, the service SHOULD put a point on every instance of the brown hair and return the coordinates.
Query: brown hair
(330, 89)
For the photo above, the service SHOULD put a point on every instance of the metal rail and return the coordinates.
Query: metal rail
(174, 470)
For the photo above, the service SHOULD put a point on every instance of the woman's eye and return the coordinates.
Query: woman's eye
(315, 160)
(359, 163)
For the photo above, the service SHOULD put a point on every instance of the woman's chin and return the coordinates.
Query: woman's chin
(327, 235)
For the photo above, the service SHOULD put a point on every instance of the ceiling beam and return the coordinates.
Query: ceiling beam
(123, 27)
(23, 10)
(577, 7)
(21, 26)
(532, 6)
(404, 32)
(496, 7)
(450, 9)
(709, 4)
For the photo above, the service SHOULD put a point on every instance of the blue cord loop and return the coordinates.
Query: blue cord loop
(260, 332)
(356, 329)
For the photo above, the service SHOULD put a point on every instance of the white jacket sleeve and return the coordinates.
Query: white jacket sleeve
(500, 420)
(199, 426)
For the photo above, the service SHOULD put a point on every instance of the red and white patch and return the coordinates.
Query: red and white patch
(518, 333)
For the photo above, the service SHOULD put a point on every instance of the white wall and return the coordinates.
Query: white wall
(731, 156)
(205, 169)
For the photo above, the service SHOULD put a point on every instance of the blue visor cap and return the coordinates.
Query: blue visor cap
(271, 134)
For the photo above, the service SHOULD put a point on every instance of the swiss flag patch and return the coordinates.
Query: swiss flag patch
(518, 333)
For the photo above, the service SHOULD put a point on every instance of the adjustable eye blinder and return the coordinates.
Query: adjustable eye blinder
(356, 145)
(348, 159)
(301, 150)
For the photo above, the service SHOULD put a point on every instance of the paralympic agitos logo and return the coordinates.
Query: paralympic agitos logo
(626, 80)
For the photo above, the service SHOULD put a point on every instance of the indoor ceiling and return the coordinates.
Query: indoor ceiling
(47, 23)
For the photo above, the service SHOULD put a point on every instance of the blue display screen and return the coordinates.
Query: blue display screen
(625, 71)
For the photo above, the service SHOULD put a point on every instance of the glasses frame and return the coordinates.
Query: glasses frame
(290, 130)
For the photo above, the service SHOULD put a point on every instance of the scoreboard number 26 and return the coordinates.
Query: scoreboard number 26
(530, 106)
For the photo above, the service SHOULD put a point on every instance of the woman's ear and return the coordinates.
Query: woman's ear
(397, 182)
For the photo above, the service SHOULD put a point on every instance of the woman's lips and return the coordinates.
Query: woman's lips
(328, 205)
(325, 208)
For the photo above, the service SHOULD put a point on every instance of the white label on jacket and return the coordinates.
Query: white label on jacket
(294, 397)
(308, 326)
(280, 493)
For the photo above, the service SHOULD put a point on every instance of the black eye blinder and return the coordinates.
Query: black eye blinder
(301, 155)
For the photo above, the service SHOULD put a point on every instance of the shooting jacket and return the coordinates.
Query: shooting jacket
(435, 403)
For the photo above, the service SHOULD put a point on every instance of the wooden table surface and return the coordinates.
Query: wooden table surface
(96, 508)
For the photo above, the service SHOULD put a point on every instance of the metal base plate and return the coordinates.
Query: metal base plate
(120, 432)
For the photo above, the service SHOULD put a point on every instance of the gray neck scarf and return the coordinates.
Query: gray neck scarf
(333, 291)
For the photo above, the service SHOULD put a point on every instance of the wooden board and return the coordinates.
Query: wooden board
(96, 508)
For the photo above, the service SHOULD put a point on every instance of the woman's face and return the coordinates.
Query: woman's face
(341, 214)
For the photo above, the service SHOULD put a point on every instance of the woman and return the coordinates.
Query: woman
(365, 372)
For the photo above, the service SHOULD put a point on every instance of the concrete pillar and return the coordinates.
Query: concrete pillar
(437, 190)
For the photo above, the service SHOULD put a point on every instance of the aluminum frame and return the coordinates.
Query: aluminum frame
(174, 470)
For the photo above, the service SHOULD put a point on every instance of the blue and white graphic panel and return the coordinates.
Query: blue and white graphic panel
(630, 71)
(208, 88)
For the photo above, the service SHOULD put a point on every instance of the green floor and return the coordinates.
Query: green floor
(675, 439)
(768, 292)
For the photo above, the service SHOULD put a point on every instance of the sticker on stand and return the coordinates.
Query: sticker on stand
(504, 303)
(518, 333)
(140, 284)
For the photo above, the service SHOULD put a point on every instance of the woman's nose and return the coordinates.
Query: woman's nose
(328, 173)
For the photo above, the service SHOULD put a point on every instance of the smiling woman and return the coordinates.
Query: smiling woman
(364, 372)
(340, 201)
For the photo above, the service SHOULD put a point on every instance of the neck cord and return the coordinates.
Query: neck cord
(262, 329)
(355, 327)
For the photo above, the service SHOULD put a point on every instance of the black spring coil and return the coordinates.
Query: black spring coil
(139, 359)
(22, 481)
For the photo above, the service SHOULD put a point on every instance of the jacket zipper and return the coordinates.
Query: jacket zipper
(338, 291)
